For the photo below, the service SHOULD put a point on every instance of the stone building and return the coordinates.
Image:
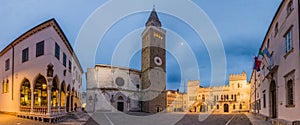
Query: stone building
(229, 98)
(40, 74)
(176, 101)
(116, 88)
(275, 87)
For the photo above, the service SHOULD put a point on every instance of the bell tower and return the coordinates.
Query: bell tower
(153, 73)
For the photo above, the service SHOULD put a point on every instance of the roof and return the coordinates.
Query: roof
(153, 19)
(51, 22)
(117, 67)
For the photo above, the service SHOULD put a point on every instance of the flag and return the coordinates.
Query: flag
(266, 52)
(257, 64)
(260, 56)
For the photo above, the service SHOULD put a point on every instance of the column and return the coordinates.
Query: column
(32, 100)
(70, 100)
(49, 86)
(59, 92)
(66, 97)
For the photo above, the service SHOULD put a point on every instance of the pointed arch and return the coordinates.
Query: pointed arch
(25, 93)
(63, 91)
(54, 91)
(40, 91)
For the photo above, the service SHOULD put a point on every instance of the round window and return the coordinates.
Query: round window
(119, 81)
(157, 61)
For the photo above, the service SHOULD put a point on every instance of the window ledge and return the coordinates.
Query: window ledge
(288, 53)
(290, 106)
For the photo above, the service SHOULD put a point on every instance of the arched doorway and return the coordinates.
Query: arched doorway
(63, 94)
(273, 99)
(40, 91)
(120, 104)
(25, 93)
(226, 108)
(54, 91)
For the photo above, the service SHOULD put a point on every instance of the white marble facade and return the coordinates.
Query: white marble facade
(111, 88)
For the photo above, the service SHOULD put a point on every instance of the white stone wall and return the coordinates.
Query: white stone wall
(101, 83)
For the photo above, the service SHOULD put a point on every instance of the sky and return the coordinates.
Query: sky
(241, 26)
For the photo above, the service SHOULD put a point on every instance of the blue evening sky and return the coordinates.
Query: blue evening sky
(241, 24)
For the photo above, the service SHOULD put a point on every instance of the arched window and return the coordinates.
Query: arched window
(40, 91)
(218, 106)
(289, 8)
(234, 97)
(63, 94)
(241, 106)
(54, 92)
(120, 98)
(276, 28)
(25, 93)
(233, 106)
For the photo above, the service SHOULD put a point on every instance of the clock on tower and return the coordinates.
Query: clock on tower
(153, 73)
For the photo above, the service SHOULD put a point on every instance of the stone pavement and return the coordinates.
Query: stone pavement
(257, 121)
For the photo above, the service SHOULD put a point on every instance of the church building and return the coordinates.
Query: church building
(112, 88)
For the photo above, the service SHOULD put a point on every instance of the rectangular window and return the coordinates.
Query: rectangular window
(57, 51)
(288, 41)
(264, 99)
(25, 55)
(64, 59)
(5, 86)
(70, 66)
(7, 65)
(290, 93)
(39, 48)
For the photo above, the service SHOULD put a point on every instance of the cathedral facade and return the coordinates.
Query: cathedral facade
(112, 88)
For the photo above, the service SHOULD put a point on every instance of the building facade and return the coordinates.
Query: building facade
(111, 88)
(116, 89)
(41, 75)
(176, 101)
(274, 88)
(229, 98)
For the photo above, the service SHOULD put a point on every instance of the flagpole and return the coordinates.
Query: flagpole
(255, 107)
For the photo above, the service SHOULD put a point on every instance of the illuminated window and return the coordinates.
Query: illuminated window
(157, 35)
(25, 93)
(5, 86)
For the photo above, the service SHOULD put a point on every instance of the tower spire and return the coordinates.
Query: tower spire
(153, 19)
